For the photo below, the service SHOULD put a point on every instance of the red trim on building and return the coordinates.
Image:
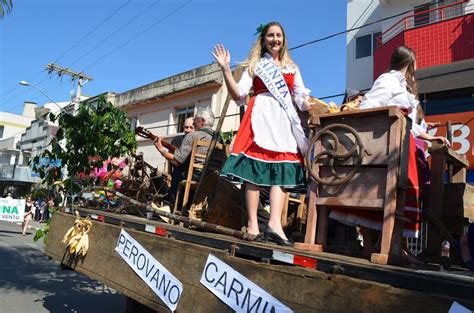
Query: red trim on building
(434, 44)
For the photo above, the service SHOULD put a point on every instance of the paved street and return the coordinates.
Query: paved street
(31, 283)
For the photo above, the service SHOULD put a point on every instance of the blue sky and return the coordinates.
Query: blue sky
(123, 54)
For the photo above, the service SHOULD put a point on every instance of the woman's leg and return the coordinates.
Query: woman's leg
(25, 226)
(252, 197)
(277, 197)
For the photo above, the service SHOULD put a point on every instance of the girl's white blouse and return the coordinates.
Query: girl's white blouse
(270, 123)
(391, 89)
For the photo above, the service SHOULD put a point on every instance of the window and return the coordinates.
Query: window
(366, 44)
(1, 131)
(376, 40)
(181, 115)
(422, 18)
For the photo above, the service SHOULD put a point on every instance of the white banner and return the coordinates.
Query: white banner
(167, 287)
(235, 290)
(12, 210)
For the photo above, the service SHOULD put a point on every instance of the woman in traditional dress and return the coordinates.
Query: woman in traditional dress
(397, 87)
(270, 143)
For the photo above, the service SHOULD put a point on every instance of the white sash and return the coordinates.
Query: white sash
(276, 85)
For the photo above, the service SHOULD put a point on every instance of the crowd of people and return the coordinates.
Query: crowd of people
(36, 209)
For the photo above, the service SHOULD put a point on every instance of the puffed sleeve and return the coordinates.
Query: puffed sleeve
(381, 92)
(416, 129)
(301, 92)
(245, 83)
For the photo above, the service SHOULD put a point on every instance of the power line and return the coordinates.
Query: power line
(137, 35)
(69, 50)
(91, 31)
(16, 86)
(115, 32)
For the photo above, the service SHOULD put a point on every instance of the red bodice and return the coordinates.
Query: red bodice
(259, 86)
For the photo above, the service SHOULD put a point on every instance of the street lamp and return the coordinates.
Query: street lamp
(61, 109)
(28, 84)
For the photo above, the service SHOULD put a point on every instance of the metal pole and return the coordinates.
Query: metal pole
(199, 224)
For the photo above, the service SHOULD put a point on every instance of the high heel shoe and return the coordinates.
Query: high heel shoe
(269, 233)
(255, 238)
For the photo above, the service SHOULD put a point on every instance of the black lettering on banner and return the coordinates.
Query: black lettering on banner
(205, 271)
(223, 277)
(134, 254)
(121, 240)
(162, 283)
(272, 310)
(267, 64)
(177, 294)
(275, 73)
(235, 290)
(125, 247)
(247, 299)
(138, 261)
(155, 277)
(148, 271)
(280, 84)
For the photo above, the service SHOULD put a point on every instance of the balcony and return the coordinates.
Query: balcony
(438, 36)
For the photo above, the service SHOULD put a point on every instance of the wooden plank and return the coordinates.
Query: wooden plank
(365, 204)
(303, 290)
(312, 219)
(452, 156)
(368, 183)
(390, 249)
(459, 200)
(438, 165)
(389, 111)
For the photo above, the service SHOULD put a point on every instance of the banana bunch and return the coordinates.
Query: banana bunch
(350, 106)
(77, 238)
(320, 107)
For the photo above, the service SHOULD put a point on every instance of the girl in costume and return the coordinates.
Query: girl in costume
(270, 143)
(397, 87)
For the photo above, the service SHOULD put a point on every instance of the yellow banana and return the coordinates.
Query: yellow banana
(76, 238)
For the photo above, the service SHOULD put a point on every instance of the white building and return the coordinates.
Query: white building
(162, 106)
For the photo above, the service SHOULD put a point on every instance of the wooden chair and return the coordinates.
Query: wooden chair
(449, 206)
(196, 163)
(299, 214)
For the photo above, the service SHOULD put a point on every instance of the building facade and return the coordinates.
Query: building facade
(442, 35)
(162, 106)
(12, 126)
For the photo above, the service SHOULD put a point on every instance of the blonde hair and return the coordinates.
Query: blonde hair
(258, 50)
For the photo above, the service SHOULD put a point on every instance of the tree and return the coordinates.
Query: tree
(5, 7)
(96, 133)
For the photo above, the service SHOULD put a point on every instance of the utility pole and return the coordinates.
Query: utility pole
(79, 76)
(81, 80)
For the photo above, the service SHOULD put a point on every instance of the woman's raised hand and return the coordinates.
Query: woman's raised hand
(221, 55)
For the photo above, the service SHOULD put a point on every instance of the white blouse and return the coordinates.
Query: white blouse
(391, 89)
(270, 123)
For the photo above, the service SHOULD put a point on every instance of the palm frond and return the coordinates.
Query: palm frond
(5, 7)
